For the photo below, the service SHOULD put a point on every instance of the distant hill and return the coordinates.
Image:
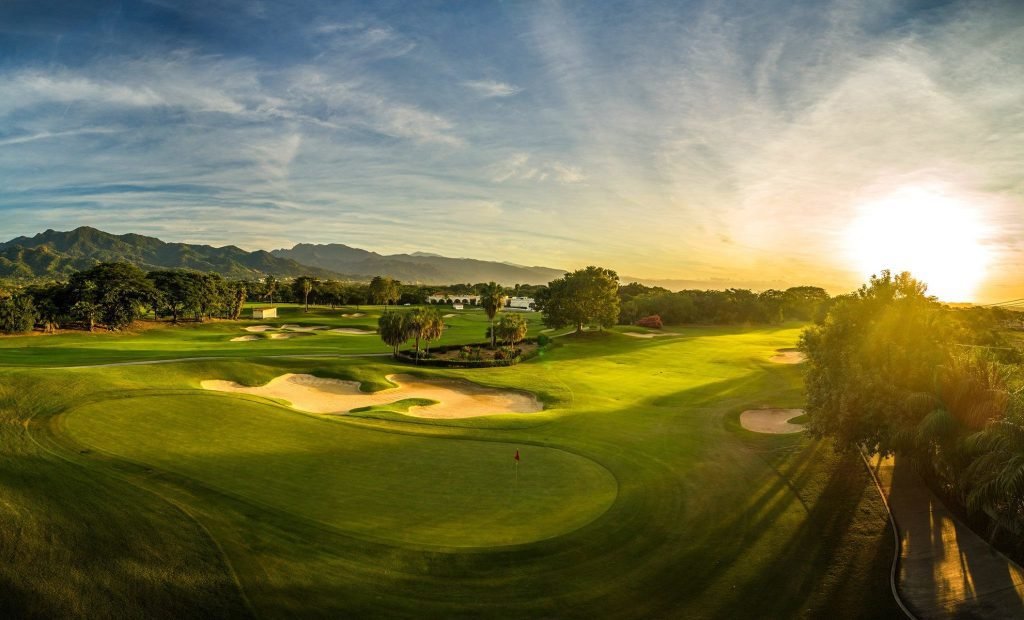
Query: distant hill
(58, 254)
(55, 253)
(419, 267)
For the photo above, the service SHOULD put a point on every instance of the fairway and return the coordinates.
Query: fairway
(639, 494)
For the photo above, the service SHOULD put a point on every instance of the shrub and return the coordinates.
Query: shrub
(17, 315)
(543, 340)
(653, 322)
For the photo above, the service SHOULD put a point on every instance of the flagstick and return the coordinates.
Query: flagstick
(517, 474)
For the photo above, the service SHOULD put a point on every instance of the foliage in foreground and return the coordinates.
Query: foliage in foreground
(892, 370)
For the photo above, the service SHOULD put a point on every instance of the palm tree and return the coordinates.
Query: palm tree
(433, 327)
(394, 329)
(492, 298)
(996, 476)
(305, 284)
(512, 329)
(271, 287)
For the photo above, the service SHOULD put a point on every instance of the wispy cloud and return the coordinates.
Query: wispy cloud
(523, 167)
(682, 125)
(491, 88)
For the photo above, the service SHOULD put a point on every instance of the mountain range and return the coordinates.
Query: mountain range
(57, 254)
(416, 267)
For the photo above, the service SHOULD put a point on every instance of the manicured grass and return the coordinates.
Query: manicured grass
(399, 406)
(213, 338)
(395, 487)
(639, 495)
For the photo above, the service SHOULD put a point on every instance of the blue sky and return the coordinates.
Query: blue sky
(695, 140)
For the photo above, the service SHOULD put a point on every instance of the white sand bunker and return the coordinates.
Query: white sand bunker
(771, 420)
(304, 328)
(788, 356)
(260, 328)
(248, 338)
(352, 331)
(282, 336)
(354, 315)
(455, 398)
(447, 316)
(644, 335)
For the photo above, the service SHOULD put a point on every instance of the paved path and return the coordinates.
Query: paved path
(945, 569)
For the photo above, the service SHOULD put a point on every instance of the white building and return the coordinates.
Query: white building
(264, 313)
(444, 298)
(521, 303)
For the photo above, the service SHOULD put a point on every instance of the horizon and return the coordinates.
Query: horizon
(665, 141)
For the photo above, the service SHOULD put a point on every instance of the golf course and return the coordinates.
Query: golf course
(180, 471)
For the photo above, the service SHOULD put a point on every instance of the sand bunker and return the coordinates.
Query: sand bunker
(456, 398)
(447, 316)
(644, 335)
(304, 328)
(771, 420)
(282, 336)
(260, 328)
(354, 315)
(352, 331)
(788, 356)
(248, 338)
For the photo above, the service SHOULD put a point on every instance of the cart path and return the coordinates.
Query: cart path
(945, 569)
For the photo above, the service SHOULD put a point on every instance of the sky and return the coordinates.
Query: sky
(767, 141)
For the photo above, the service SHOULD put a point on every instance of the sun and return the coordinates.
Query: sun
(930, 233)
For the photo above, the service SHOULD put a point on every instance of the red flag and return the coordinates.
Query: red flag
(517, 456)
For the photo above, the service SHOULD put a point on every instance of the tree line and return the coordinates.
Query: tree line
(891, 370)
(729, 306)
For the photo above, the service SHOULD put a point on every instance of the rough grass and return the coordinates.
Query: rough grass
(128, 492)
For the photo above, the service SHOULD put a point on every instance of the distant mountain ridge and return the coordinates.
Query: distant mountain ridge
(418, 267)
(57, 254)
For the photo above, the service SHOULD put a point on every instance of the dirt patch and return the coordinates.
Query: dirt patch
(352, 331)
(455, 398)
(248, 338)
(788, 356)
(775, 421)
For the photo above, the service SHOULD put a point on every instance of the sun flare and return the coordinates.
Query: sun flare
(935, 236)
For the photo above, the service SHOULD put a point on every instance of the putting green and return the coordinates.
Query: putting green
(379, 485)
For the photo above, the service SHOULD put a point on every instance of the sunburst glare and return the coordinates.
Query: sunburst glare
(931, 233)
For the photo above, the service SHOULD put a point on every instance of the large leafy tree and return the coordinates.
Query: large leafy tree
(583, 297)
(492, 300)
(178, 291)
(237, 295)
(874, 350)
(384, 290)
(114, 293)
